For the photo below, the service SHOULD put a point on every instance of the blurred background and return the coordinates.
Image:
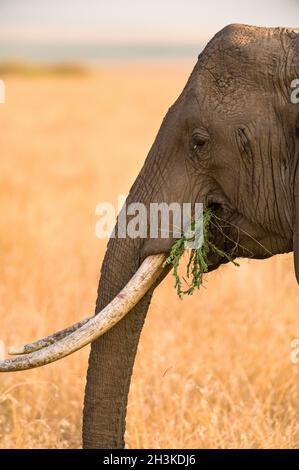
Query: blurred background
(87, 85)
(92, 31)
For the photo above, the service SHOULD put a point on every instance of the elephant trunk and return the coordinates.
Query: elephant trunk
(112, 355)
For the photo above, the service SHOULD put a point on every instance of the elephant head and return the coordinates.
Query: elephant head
(230, 141)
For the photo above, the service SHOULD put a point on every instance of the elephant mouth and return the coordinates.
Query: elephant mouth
(239, 237)
(223, 233)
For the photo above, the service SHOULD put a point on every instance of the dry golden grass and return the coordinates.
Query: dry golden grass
(212, 370)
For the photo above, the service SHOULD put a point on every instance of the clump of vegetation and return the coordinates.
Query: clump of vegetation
(198, 263)
(18, 67)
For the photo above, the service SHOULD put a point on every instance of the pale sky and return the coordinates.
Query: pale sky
(137, 20)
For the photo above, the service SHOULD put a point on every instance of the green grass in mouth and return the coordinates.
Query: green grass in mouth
(198, 263)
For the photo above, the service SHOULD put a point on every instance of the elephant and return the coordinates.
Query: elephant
(230, 141)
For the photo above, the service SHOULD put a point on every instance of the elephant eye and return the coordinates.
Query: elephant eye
(198, 141)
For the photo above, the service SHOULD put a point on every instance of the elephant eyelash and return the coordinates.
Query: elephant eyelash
(197, 143)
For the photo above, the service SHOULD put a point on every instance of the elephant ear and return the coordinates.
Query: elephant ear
(294, 75)
(296, 203)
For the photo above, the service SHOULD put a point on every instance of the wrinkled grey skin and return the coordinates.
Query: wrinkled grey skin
(236, 109)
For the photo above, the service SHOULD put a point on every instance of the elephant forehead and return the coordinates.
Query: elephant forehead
(238, 35)
(251, 53)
